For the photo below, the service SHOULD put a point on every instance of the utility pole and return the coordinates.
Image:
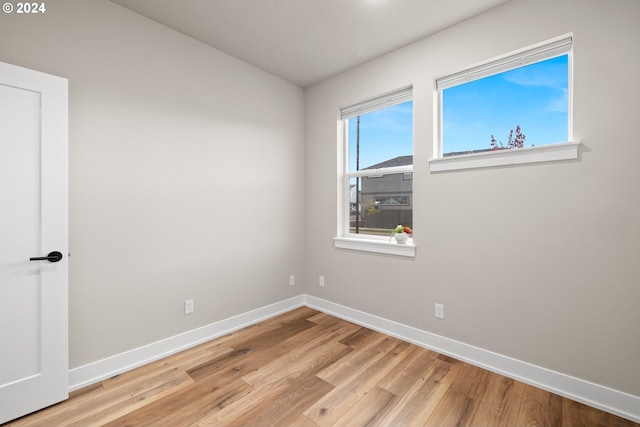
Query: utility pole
(358, 178)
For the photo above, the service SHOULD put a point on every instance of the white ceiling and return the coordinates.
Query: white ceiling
(306, 41)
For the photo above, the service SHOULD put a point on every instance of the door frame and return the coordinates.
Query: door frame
(52, 384)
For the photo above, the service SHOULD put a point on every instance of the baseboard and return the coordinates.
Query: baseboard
(604, 398)
(102, 369)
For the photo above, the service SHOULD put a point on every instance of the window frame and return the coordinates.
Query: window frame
(559, 46)
(345, 239)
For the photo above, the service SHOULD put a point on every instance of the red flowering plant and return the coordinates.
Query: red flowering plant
(401, 229)
(517, 142)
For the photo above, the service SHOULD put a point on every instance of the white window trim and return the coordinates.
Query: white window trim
(543, 153)
(383, 246)
(364, 242)
(539, 52)
(388, 100)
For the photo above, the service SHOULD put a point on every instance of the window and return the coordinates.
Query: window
(519, 101)
(378, 167)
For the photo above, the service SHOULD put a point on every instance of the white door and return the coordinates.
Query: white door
(34, 367)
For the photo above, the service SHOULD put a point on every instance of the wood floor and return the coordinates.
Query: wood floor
(306, 368)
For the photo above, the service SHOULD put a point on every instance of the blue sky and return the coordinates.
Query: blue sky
(534, 97)
(384, 134)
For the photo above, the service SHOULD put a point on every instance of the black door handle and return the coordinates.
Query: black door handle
(54, 256)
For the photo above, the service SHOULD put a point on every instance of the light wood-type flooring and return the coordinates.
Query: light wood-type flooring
(307, 368)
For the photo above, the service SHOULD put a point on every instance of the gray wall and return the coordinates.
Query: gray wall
(536, 262)
(185, 166)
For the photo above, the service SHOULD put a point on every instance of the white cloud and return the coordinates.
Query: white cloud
(559, 104)
(551, 76)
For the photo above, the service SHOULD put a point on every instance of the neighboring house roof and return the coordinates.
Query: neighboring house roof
(458, 153)
(397, 161)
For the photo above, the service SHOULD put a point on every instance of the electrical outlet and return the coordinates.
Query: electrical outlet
(321, 281)
(292, 280)
(188, 306)
(439, 312)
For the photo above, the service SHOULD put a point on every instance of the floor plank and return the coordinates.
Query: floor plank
(455, 409)
(540, 408)
(284, 406)
(400, 380)
(500, 403)
(471, 381)
(576, 414)
(307, 368)
(188, 407)
(417, 406)
(370, 410)
(354, 386)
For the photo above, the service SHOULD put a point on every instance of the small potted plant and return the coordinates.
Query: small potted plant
(401, 234)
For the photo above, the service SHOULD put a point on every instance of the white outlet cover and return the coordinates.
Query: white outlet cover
(188, 306)
(439, 311)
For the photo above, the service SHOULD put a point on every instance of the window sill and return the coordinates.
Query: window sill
(378, 246)
(543, 153)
